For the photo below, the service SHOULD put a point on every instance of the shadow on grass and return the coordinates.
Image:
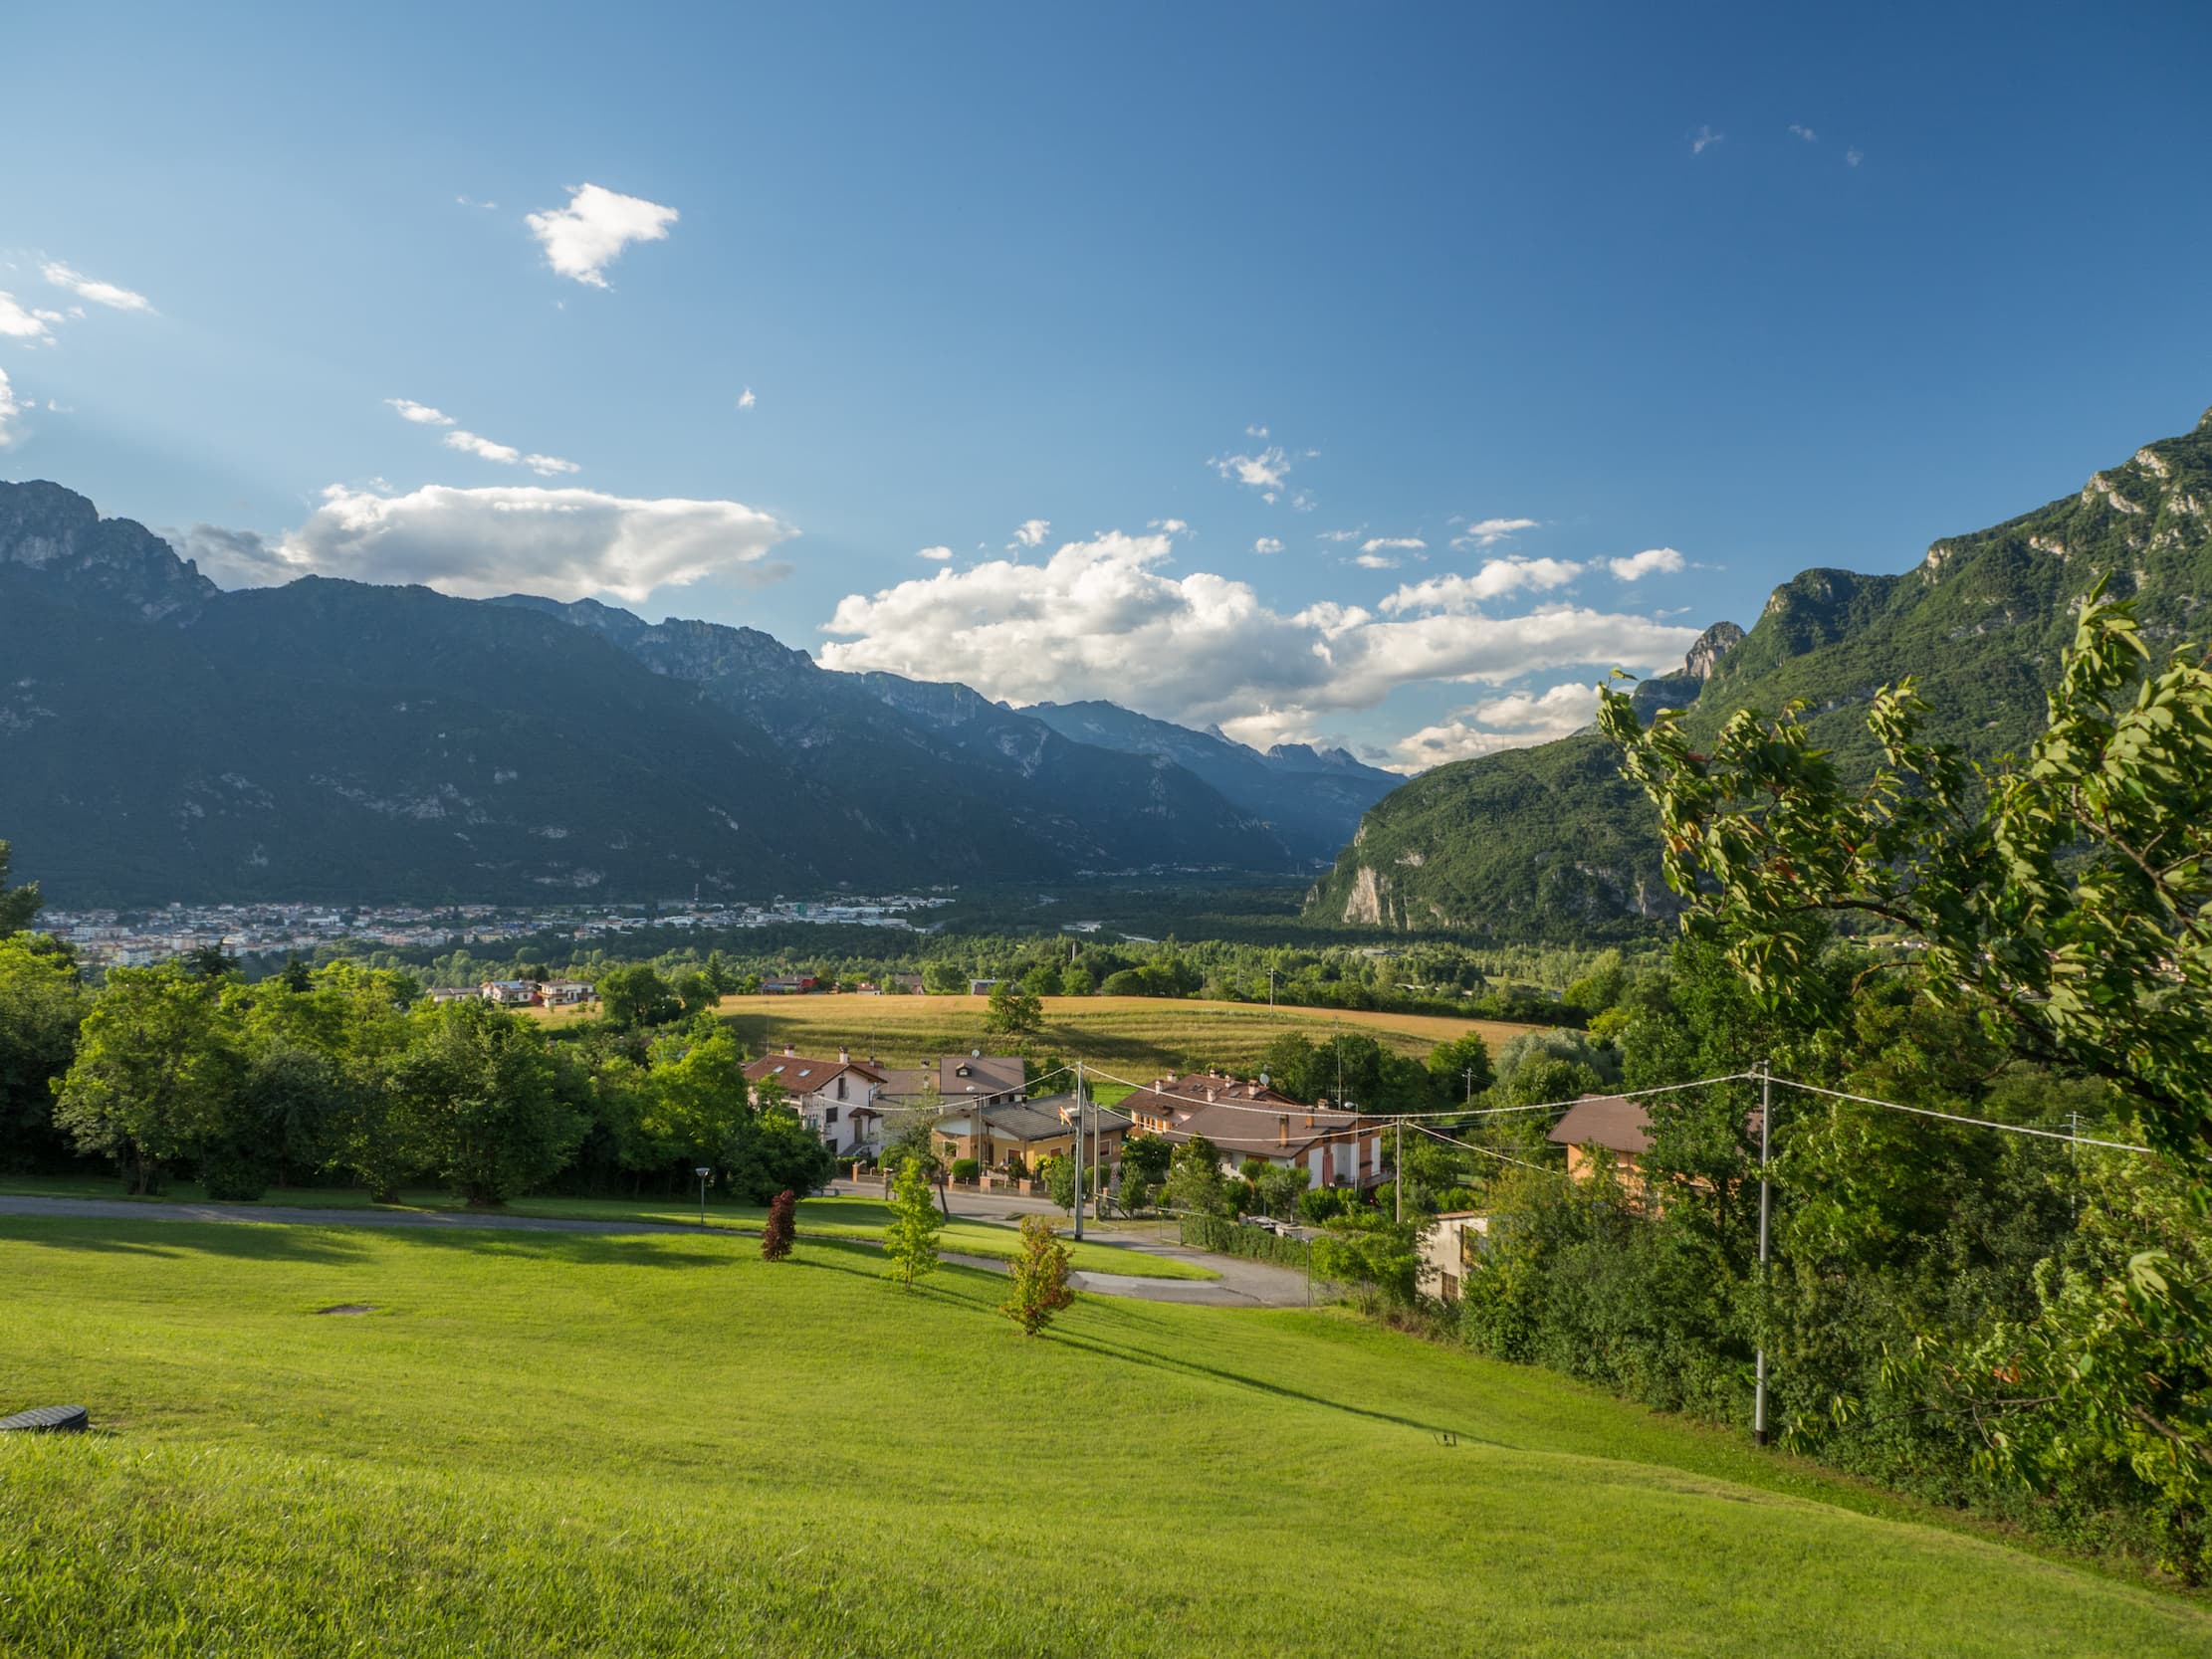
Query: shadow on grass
(1192, 1367)
(178, 1239)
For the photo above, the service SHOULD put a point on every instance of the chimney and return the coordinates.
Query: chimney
(1283, 1130)
(844, 1057)
(790, 1051)
(1213, 1095)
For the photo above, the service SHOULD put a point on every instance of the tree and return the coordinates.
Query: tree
(1147, 1156)
(1059, 1172)
(1194, 1180)
(910, 1240)
(943, 978)
(41, 1003)
(1461, 1069)
(18, 905)
(1015, 1010)
(695, 992)
(771, 1149)
(775, 1237)
(155, 1069)
(695, 1098)
(2061, 900)
(635, 995)
(479, 1100)
(1279, 1186)
(1077, 980)
(1039, 1278)
(208, 961)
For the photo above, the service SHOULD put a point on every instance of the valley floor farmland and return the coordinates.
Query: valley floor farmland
(661, 1445)
(1147, 1035)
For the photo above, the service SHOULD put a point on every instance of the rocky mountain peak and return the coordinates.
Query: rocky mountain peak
(44, 527)
(1710, 647)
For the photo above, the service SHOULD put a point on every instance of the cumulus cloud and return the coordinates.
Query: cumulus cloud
(232, 557)
(1367, 558)
(745, 399)
(11, 413)
(1488, 532)
(1512, 721)
(1266, 545)
(420, 413)
(1704, 139)
(1459, 595)
(1030, 532)
(582, 239)
(1393, 544)
(1103, 618)
(18, 323)
(1170, 527)
(1652, 562)
(563, 541)
(1264, 471)
(99, 293)
(940, 554)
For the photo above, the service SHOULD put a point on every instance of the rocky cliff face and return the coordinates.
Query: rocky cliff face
(60, 534)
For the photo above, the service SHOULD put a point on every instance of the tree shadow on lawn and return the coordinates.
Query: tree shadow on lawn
(1192, 1367)
(570, 1249)
(204, 1238)
(852, 1249)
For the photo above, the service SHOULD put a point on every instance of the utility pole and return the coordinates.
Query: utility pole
(1398, 1164)
(1469, 1074)
(1766, 1131)
(1271, 987)
(1078, 1150)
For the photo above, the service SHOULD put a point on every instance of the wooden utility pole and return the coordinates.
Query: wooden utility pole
(1078, 1150)
(1766, 1130)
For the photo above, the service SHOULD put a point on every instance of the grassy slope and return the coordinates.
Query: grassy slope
(1136, 1037)
(566, 1444)
(837, 1217)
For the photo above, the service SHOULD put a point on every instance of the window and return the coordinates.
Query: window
(829, 1114)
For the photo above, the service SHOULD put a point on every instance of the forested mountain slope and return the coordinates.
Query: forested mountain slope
(1552, 844)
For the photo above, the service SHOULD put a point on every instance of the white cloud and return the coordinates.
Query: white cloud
(420, 413)
(1264, 471)
(468, 443)
(1652, 562)
(1488, 532)
(1171, 526)
(99, 293)
(1343, 536)
(1030, 532)
(1704, 139)
(1805, 132)
(1368, 559)
(18, 323)
(550, 466)
(940, 554)
(582, 239)
(1459, 595)
(1393, 544)
(745, 399)
(1515, 721)
(1266, 545)
(1101, 618)
(1852, 157)
(11, 413)
(562, 541)
(1300, 502)
(1255, 432)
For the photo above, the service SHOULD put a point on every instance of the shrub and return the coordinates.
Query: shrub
(967, 1168)
(1319, 1203)
(775, 1237)
(1039, 1277)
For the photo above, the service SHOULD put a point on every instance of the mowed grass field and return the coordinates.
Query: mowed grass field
(562, 1444)
(1139, 1037)
(829, 1217)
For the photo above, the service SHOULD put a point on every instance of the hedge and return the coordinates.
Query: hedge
(1228, 1238)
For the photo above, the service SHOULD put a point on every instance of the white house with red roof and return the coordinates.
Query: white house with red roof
(836, 1099)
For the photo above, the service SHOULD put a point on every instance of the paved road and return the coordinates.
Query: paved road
(1243, 1284)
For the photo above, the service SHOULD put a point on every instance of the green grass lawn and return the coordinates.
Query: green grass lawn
(831, 1217)
(660, 1445)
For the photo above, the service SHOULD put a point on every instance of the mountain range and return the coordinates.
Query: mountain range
(163, 738)
(1552, 843)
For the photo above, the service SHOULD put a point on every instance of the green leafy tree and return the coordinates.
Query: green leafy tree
(910, 1239)
(775, 1236)
(1059, 1180)
(18, 905)
(480, 1101)
(1194, 1180)
(1279, 1187)
(771, 1149)
(1147, 1156)
(1459, 1070)
(694, 1097)
(1076, 980)
(1015, 1010)
(944, 978)
(695, 993)
(1039, 1278)
(155, 1069)
(41, 1003)
(1363, 1247)
(635, 995)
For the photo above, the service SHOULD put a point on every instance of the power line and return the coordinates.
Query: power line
(1954, 1118)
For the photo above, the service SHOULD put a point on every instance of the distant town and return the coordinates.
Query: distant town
(133, 937)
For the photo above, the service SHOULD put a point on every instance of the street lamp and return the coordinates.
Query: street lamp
(703, 1171)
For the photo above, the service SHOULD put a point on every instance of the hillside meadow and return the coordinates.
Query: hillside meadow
(569, 1444)
(1138, 1036)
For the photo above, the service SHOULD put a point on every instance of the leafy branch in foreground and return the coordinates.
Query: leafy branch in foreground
(2062, 899)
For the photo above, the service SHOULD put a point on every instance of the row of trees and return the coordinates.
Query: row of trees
(347, 1073)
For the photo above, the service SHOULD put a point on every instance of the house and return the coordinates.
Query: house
(959, 1080)
(1031, 1131)
(457, 993)
(508, 993)
(982, 987)
(559, 993)
(1249, 1119)
(789, 984)
(1614, 1123)
(836, 1099)
(1450, 1245)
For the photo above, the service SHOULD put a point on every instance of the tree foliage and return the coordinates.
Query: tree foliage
(775, 1236)
(1038, 1277)
(910, 1240)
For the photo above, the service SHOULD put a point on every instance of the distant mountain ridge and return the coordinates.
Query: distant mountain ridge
(163, 738)
(1551, 843)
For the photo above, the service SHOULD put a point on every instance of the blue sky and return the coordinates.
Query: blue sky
(1739, 290)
